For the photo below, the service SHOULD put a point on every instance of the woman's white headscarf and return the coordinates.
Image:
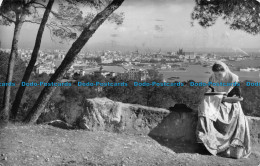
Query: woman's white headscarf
(229, 77)
(211, 104)
(226, 68)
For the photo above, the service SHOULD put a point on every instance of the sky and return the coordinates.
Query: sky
(148, 25)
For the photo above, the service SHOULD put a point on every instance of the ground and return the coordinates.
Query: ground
(46, 145)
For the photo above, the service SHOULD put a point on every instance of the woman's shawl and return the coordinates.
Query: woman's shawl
(230, 78)
(210, 105)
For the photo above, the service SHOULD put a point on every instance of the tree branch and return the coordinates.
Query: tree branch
(29, 21)
(10, 20)
(37, 3)
(76, 47)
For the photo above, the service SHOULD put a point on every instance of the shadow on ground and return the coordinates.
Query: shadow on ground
(181, 147)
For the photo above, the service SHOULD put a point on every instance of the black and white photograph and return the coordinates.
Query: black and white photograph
(129, 83)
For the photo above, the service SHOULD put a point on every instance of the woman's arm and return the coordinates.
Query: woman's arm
(233, 96)
(211, 89)
(235, 92)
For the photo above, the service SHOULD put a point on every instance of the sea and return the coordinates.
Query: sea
(199, 73)
(196, 73)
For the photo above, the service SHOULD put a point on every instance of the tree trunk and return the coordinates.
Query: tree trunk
(4, 111)
(32, 62)
(68, 60)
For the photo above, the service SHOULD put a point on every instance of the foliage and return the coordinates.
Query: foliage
(10, 9)
(251, 95)
(153, 96)
(69, 20)
(238, 14)
(18, 71)
(154, 75)
(66, 21)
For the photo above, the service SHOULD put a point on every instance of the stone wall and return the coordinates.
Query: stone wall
(177, 125)
(108, 115)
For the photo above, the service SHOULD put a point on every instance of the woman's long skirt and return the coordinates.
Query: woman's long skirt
(230, 129)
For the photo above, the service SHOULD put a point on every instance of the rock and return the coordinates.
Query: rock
(83, 123)
(60, 124)
(106, 115)
(123, 163)
(178, 126)
(56, 156)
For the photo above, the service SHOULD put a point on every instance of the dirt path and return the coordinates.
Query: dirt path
(46, 145)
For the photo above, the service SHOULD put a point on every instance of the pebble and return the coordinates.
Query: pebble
(122, 163)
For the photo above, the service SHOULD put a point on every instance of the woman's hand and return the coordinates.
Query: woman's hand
(210, 89)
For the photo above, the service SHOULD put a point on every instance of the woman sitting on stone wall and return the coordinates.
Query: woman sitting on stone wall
(222, 126)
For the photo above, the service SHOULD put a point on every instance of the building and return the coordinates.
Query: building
(134, 74)
(46, 70)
